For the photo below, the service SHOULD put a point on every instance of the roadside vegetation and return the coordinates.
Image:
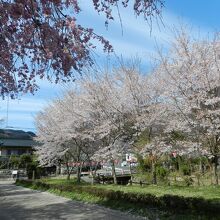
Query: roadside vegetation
(206, 192)
(171, 202)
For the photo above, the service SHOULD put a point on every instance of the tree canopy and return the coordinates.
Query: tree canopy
(43, 39)
(176, 107)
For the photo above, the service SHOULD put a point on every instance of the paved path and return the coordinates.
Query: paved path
(18, 203)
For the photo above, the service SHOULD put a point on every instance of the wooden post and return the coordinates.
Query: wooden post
(130, 170)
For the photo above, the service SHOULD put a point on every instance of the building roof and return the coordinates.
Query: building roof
(16, 143)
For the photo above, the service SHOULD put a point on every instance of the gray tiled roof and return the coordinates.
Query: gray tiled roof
(16, 143)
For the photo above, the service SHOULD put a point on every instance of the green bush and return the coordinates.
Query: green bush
(161, 172)
(185, 169)
(33, 167)
(144, 164)
(14, 162)
(25, 159)
(188, 181)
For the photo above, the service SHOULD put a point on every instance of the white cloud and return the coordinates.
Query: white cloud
(137, 32)
(22, 105)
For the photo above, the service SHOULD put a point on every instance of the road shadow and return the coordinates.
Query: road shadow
(9, 190)
(18, 203)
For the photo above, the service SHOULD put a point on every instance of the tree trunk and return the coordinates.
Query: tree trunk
(68, 171)
(95, 170)
(130, 170)
(79, 162)
(58, 169)
(202, 170)
(33, 175)
(191, 168)
(113, 172)
(177, 163)
(68, 176)
(149, 134)
(91, 173)
(154, 175)
(78, 174)
(215, 171)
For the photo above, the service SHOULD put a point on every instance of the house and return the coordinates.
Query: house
(15, 142)
(131, 158)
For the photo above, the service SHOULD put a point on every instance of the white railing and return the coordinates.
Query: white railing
(118, 171)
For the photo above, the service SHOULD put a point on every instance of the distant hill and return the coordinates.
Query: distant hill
(16, 134)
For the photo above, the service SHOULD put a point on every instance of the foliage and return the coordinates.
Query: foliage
(185, 169)
(144, 164)
(25, 159)
(27, 162)
(143, 139)
(188, 181)
(28, 52)
(161, 172)
(172, 202)
(177, 135)
(14, 162)
(33, 166)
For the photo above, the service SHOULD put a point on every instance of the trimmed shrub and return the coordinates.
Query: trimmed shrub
(172, 202)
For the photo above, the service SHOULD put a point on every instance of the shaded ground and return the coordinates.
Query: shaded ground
(21, 203)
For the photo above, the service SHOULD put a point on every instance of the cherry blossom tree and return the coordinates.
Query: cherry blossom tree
(65, 133)
(126, 103)
(108, 111)
(51, 150)
(106, 100)
(191, 73)
(43, 39)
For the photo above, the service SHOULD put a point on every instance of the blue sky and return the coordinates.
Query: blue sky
(202, 16)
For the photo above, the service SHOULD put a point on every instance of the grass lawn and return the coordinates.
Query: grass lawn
(63, 181)
(206, 192)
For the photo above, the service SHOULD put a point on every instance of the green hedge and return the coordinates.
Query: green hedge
(172, 202)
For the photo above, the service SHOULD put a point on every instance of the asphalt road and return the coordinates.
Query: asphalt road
(18, 203)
